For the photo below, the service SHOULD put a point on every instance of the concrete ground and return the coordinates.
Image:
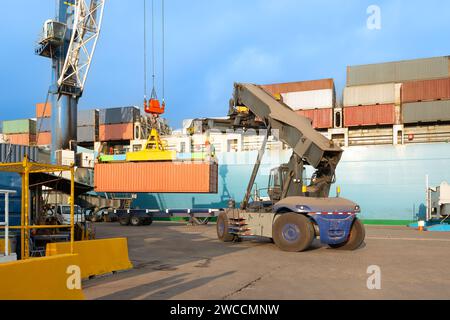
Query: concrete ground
(175, 261)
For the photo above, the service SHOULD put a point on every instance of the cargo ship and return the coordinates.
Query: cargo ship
(392, 119)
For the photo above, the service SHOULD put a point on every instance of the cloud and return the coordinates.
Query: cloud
(249, 65)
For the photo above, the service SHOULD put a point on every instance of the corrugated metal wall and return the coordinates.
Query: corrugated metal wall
(369, 115)
(304, 100)
(279, 88)
(12, 153)
(119, 115)
(369, 95)
(431, 68)
(426, 112)
(426, 90)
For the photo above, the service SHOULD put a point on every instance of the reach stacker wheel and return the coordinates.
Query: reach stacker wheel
(293, 232)
(124, 220)
(135, 221)
(223, 228)
(356, 238)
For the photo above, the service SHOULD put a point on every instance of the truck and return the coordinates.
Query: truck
(299, 209)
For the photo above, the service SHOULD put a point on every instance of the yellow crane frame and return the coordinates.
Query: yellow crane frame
(25, 168)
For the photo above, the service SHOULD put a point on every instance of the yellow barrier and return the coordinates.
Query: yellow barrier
(97, 257)
(48, 278)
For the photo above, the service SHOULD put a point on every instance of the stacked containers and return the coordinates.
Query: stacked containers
(371, 105)
(44, 124)
(88, 126)
(380, 94)
(312, 99)
(117, 124)
(426, 101)
(20, 132)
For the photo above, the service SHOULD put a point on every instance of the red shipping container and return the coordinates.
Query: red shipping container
(427, 90)
(383, 114)
(116, 132)
(23, 139)
(276, 89)
(42, 111)
(44, 139)
(321, 118)
(156, 177)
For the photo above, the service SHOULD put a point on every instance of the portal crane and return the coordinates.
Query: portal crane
(69, 41)
(297, 212)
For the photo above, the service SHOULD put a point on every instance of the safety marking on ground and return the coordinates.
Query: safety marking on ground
(407, 239)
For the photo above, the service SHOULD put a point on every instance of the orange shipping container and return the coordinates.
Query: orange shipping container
(42, 111)
(276, 89)
(383, 114)
(23, 139)
(321, 118)
(156, 177)
(116, 132)
(428, 90)
(44, 138)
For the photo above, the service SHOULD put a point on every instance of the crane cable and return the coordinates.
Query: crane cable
(145, 52)
(163, 55)
(154, 95)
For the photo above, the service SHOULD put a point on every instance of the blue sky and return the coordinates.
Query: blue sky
(212, 43)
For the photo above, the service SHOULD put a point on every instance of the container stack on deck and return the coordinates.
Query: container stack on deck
(403, 92)
(313, 99)
(20, 132)
(88, 126)
(117, 124)
(44, 124)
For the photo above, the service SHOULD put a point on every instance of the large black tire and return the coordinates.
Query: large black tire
(135, 221)
(124, 220)
(293, 232)
(148, 222)
(222, 228)
(356, 238)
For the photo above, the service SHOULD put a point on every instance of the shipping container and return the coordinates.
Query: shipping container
(88, 118)
(116, 132)
(44, 125)
(401, 71)
(87, 134)
(22, 139)
(65, 157)
(369, 115)
(317, 99)
(369, 95)
(433, 111)
(119, 115)
(43, 111)
(19, 126)
(321, 118)
(157, 177)
(426, 90)
(15, 153)
(44, 138)
(279, 88)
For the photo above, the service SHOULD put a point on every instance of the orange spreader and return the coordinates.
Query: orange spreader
(154, 107)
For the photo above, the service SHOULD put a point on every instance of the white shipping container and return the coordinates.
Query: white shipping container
(306, 100)
(370, 95)
(65, 157)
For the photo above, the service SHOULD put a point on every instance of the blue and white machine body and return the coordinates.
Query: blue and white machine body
(69, 41)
